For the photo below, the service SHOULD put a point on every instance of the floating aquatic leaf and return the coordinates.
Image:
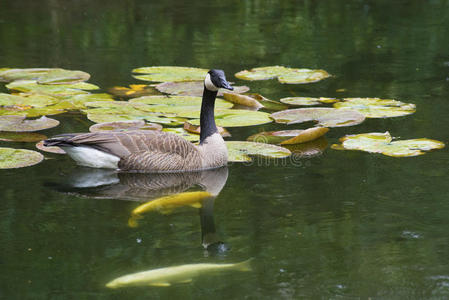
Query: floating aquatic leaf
(8, 136)
(192, 137)
(11, 158)
(269, 104)
(196, 129)
(125, 125)
(97, 117)
(19, 124)
(284, 75)
(163, 74)
(289, 137)
(79, 101)
(134, 90)
(191, 88)
(376, 142)
(44, 75)
(242, 100)
(30, 112)
(377, 108)
(59, 90)
(304, 101)
(51, 149)
(24, 100)
(241, 151)
(174, 104)
(308, 149)
(326, 117)
(232, 117)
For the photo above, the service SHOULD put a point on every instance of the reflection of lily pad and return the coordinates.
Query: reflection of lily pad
(21, 136)
(241, 151)
(59, 90)
(191, 88)
(18, 158)
(304, 101)
(192, 137)
(125, 125)
(326, 117)
(44, 75)
(51, 149)
(284, 75)
(19, 124)
(289, 137)
(232, 117)
(382, 143)
(242, 100)
(377, 108)
(163, 74)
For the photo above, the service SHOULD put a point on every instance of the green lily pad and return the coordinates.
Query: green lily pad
(19, 124)
(307, 150)
(8, 136)
(305, 101)
(242, 151)
(44, 75)
(50, 149)
(134, 90)
(376, 142)
(125, 125)
(191, 88)
(178, 102)
(11, 158)
(289, 137)
(196, 129)
(192, 137)
(25, 100)
(163, 74)
(232, 117)
(326, 117)
(59, 90)
(284, 75)
(377, 108)
(79, 101)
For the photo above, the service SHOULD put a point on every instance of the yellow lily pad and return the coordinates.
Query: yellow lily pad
(197, 129)
(44, 75)
(242, 100)
(289, 137)
(133, 91)
(269, 104)
(191, 88)
(11, 158)
(377, 108)
(326, 117)
(125, 126)
(167, 73)
(284, 74)
(20, 124)
(383, 143)
(242, 151)
(307, 101)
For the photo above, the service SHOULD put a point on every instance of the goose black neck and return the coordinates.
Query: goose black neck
(207, 120)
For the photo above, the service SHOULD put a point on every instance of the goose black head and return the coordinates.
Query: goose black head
(216, 79)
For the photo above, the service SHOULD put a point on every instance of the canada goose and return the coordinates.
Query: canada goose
(153, 151)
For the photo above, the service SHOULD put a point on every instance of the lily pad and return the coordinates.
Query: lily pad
(27, 100)
(192, 137)
(289, 137)
(11, 158)
(44, 75)
(124, 126)
(377, 108)
(19, 124)
(173, 104)
(191, 88)
(7, 136)
(232, 117)
(326, 117)
(50, 149)
(269, 104)
(197, 129)
(307, 150)
(79, 101)
(305, 101)
(242, 100)
(242, 151)
(163, 74)
(59, 90)
(134, 90)
(377, 142)
(284, 74)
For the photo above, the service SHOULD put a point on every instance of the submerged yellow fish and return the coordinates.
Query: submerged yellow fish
(177, 274)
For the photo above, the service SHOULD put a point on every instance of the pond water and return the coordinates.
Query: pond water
(341, 225)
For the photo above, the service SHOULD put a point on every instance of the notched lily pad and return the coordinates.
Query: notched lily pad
(377, 142)
(306, 101)
(289, 137)
(326, 117)
(11, 158)
(50, 149)
(125, 126)
(377, 108)
(284, 74)
(45, 75)
(191, 88)
(163, 74)
(232, 117)
(242, 151)
(242, 100)
(20, 124)
(8, 136)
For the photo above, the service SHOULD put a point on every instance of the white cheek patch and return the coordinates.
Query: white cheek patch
(209, 84)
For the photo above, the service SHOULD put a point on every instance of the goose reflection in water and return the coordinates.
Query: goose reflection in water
(160, 191)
